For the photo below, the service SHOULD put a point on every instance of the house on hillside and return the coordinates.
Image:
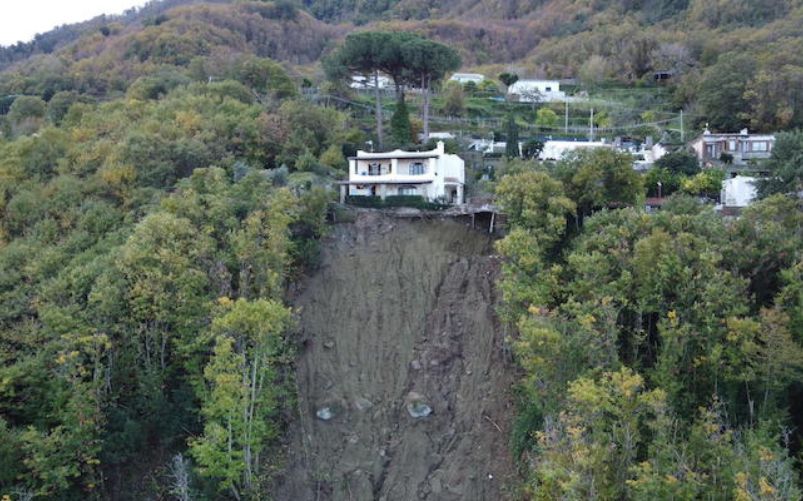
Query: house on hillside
(737, 149)
(534, 91)
(556, 150)
(434, 175)
(464, 78)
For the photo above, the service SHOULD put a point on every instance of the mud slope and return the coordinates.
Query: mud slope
(398, 307)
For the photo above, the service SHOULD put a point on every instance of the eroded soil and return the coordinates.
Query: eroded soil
(400, 316)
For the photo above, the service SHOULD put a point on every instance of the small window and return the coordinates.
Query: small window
(759, 146)
(548, 89)
(732, 145)
(374, 169)
(417, 169)
(408, 190)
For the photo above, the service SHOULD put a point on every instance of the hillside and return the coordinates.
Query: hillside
(734, 64)
(186, 312)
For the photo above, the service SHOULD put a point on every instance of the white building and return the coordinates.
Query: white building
(434, 175)
(556, 150)
(362, 82)
(534, 91)
(738, 192)
(740, 146)
(437, 135)
(647, 155)
(464, 78)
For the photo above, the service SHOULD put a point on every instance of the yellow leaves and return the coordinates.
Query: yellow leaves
(118, 175)
(225, 301)
(765, 488)
(765, 454)
(587, 321)
(673, 317)
(189, 121)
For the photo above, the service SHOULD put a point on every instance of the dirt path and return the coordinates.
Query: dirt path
(399, 319)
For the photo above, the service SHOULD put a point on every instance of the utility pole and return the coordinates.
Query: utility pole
(591, 125)
(566, 119)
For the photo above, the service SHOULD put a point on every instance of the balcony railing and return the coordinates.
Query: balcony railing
(374, 170)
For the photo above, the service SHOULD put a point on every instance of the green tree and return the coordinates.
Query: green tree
(400, 127)
(536, 202)
(600, 177)
(427, 63)
(240, 400)
(679, 162)
(361, 53)
(508, 78)
(26, 115)
(454, 100)
(590, 449)
(785, 166)
(546, 118)
(721, 92)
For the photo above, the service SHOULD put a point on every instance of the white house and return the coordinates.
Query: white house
(738, 192)
(647, 155)
(362, 82)
(532, 91)
(741, 146)
(464, 78)
(555, 150)
(437, 135)
(434, 175)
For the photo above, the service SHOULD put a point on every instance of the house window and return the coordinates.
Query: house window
(758, 146)
(408, 190)
(374, 169)
(416, 169)
(548, 89)
(732, 145)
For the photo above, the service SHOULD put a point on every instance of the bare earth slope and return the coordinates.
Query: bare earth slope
(400, 308)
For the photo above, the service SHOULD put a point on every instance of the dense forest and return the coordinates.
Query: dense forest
(662, 353)
(146, 244)
(164, 180)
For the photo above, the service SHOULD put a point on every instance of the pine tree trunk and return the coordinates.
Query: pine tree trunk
(378, 110)
(425, 89)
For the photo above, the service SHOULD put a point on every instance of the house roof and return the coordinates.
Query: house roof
(712, 137)
(389, 155)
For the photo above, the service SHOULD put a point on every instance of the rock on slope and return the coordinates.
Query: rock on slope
(399, 321)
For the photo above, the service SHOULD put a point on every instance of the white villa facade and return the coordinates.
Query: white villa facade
(434, 175)
(743, 147)
(533, 91)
